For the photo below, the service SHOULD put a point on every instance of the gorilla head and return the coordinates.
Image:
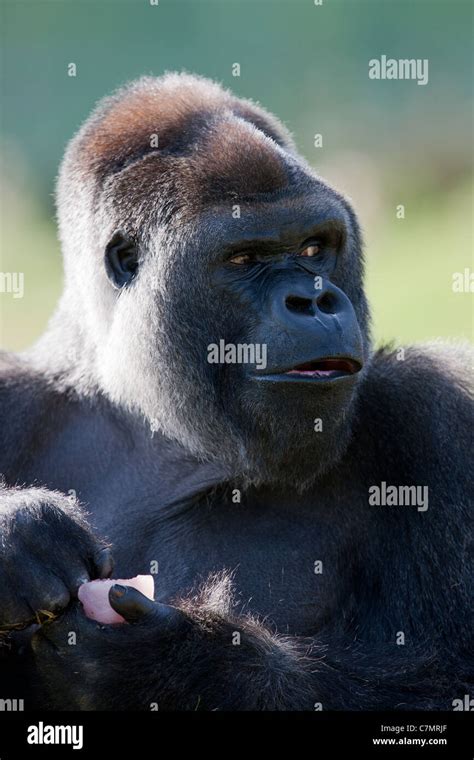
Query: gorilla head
(187, 219)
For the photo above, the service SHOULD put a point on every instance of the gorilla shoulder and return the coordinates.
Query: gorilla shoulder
(27, 396)
(419, 398)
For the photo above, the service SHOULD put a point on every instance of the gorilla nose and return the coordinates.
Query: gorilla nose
(329, 300)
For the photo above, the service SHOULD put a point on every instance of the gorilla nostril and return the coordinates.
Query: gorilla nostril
(327, 303)
(299, 305)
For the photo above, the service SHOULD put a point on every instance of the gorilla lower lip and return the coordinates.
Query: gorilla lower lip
(317, 370)
(325, 368)
(314, 372)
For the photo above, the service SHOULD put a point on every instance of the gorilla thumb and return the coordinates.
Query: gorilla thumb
(135, 607)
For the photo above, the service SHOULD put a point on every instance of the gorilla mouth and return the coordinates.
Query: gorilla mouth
(325, 368)
(316, 370)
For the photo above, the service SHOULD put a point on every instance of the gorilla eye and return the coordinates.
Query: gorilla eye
(310, 250)
(121, 260)
(241, 258)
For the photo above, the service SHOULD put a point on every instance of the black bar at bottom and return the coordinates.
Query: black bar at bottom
(155, 734)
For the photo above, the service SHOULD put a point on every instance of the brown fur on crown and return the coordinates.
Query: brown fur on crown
(210, 142)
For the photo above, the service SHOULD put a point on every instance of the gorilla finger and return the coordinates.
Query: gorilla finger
(130, 603)
(14, 613)
(135, 607)
(45, 596)
(64, 559)
(103, 562)
(73, 574)
(49, 596)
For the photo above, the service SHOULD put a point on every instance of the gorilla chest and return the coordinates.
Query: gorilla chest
(288, 556)
(284, 563)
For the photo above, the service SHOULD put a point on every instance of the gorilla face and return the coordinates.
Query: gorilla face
(235, 318)
(253, 341)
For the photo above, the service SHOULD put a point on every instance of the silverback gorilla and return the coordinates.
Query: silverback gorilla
(188, 220)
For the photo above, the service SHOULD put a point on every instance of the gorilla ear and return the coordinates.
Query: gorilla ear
(121, 260)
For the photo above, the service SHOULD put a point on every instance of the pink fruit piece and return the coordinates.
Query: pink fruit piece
(94, 596)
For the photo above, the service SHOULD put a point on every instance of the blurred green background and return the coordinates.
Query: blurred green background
(385, 143)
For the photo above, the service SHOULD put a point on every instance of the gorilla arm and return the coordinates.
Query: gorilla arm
(46, 551)
(196, 655)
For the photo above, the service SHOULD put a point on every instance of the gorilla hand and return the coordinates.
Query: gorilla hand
(183, 657)
(46, 551)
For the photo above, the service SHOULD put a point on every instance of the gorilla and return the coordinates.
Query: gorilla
(188, 221)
